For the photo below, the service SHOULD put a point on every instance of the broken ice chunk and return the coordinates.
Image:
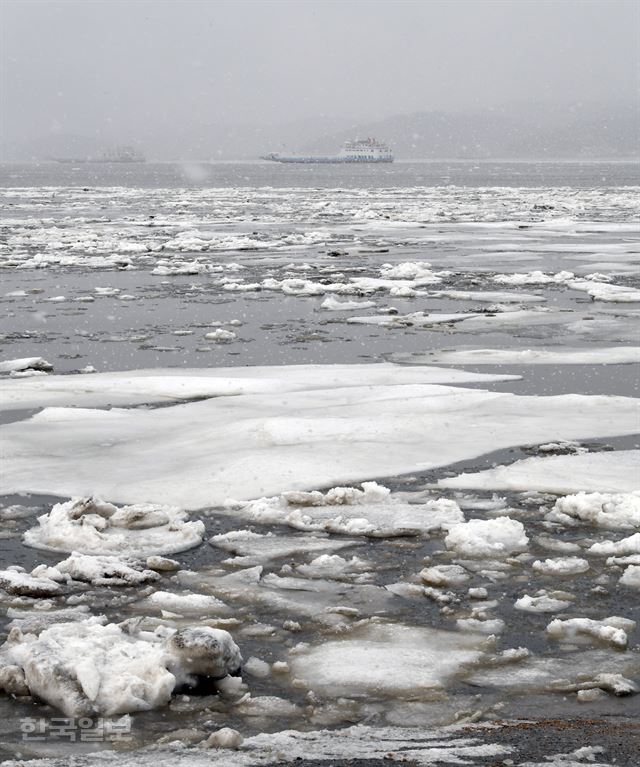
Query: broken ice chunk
(613, 630)
(204, 651)
(17, 582)
(541, 603)
(487, 538)
(104, 570)
(185, 603)
(631, 577)
(91, 526)
(445, 575)
(91, 667)
(26, 363)
(370, 512)
(614, 511)
(561, 566)
(630, 545)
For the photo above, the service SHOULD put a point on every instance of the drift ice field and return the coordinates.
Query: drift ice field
(324, 470)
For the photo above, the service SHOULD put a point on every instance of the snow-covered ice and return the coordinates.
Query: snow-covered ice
(24, 364)
(612, 355)
(335, 305)
(541, 603)
(100, 570)
(631, 577)
(534, 278)
(371, 512)
(165, 385)
(614, 630)
(608, 471)
(561, 566)
(92, 526)
(622, 547)
(26, 584)
(487, 538)
(613, 511)
(251, 445)
(93, 667)
(489, 296)
(185, 603)
(603, 291)
(415, 319)
(290, 560)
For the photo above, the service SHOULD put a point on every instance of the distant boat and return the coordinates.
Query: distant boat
(118, 154)
(360, 150)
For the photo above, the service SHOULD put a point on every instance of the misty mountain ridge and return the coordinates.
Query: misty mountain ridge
(569, 133)
(602, 131)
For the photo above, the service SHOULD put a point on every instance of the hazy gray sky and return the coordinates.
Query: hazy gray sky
(143, 66)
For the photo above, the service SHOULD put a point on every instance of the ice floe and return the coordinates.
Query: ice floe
(561, 566)
(445, 575)
(415, 319)
(335, 567)
(623, 547)
(92, 526)
(614, 631)
(328, 602)
(335, 305)
(162, 385)
(588, 669)
(534, 278)
(603, 291)
(631, 577)
(17, 582)
(301, 434)
(487, 538)
(541, 603)
(611, 355)
(371, 512)
(384, 659)
(220, 335)
(488, 296)
(609, 471)
(92, 667)
(185, 603)
(38, 364)
(614, 511)
(100, 570)
(250, 548)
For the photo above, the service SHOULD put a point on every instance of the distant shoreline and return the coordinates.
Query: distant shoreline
(404, 160)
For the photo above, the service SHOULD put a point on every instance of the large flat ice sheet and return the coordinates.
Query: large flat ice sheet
(610, 355)
(160, 385)
(199, 454)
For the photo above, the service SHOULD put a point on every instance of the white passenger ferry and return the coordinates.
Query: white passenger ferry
(360, 150)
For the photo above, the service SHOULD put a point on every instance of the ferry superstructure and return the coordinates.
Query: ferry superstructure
(359, 150)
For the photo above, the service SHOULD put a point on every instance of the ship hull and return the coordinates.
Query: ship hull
(87, 161)
(330, 160)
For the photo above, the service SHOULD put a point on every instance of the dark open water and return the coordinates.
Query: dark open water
(579, 174)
